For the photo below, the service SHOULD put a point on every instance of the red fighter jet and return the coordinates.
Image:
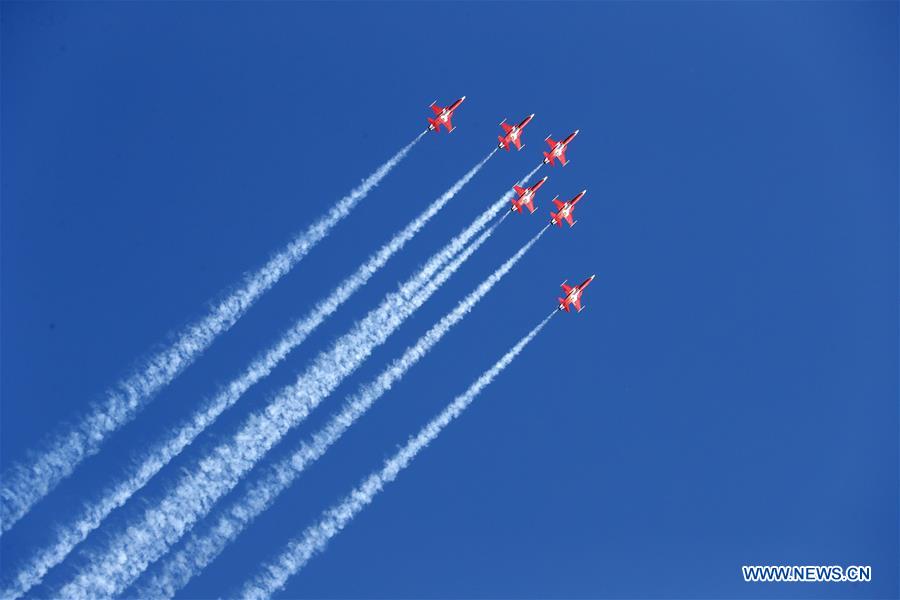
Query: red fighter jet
(513, 133)
(442, 116)
(565, 210)
(558, 149)
(573, 295)
(526, 196)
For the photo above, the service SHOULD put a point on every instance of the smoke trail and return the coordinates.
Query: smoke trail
(179, 567)
(26, 483)
(275, 574)
(129, 552)
(162, 453)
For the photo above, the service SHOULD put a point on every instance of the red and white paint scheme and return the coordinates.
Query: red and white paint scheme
(565, 210)
(558, 149)
(443, 115)
(573, 295)
(526, 196)
(513, 133)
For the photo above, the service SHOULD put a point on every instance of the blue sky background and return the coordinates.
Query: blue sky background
(728, 397)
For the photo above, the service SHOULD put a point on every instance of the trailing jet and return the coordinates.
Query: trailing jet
(526, 196)
(443, 115)
(565, 210)
(573, 295)
(558, 149)
(513, 133)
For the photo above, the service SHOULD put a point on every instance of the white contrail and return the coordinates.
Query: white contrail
(162, 453)
(275, 574)
(177, 568)
(130, 551)
(25, 483)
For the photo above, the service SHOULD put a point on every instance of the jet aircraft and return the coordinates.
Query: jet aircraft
(573, 295)
(513, 133)
(565, 210)
(558, 149)
(526, 196)
(443, 115)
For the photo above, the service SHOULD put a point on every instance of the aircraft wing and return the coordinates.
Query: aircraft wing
(569, 219)
(566, 288)
(558, 204)
(437, 109)
(551, 142)
(562, 158)
(506, 128)
(577, 303)
(449, 125)
(517, 142)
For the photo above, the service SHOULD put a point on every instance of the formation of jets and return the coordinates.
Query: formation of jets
(512, 136)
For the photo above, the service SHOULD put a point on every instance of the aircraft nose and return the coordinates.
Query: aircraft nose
(463, 97)
(576, 131)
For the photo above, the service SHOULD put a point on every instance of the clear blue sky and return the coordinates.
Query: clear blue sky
(728, 397)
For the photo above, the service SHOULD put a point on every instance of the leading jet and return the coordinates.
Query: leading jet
(558, 149)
